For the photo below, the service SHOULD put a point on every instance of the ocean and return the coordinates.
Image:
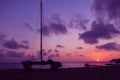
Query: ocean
(64, 65)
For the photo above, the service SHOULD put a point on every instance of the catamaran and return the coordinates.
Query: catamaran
(53, 64)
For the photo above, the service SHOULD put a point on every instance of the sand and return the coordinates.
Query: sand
(87, 73)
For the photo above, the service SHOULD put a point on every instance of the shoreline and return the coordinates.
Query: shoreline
(85, 73)
(64, 65)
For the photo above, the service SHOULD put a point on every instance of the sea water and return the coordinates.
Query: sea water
(64, 65)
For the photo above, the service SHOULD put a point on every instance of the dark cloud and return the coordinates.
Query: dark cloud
(56, 51)
(54, 25)
(2, 37)
(46, 30)
(2, 55)
(109, 8)
(44, 53)
(109, 46)
(11, 53)
(50, 56)
(13, 44)
(2, 52)
(60, 46)
(54, 28)
(79, 22)
(25, 42)
(49, 53)
(81, 55)
(28, 26)
(57, 55)
(15, 54)
(50, 50)
(69, 55)
(53, 56)
(79, 47)
(52, 53)
(58, 28)
(100, 30)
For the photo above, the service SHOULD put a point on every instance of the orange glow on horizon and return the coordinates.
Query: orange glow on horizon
(97, 60)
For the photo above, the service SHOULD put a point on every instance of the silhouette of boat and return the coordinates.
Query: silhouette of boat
(53, 64)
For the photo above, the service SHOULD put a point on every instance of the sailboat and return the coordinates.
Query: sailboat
(53, 64)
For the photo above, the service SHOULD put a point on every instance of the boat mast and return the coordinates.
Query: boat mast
(41, 24)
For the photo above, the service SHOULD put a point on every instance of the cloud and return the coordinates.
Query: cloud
(109, 46)
(44, 53)
(54, 28)
(46, 30)
(69, 55)
(2, 37)
(81, 55)
(2, 55)
(49, 53)
(50, 50)
(13, 44)
(56, 51)
(11, 53)
(79, 22)
(15, 54)
(79, 47)
(100, 30)
(60, 46)
(28, 26)
(109, 8)
(57, 55)
(54, 25)
(25, 42)
(58, 28)
(53, 56)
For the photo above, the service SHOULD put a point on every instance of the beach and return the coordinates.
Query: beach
(86, 73)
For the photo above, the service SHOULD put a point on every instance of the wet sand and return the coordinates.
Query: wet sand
(87, 73)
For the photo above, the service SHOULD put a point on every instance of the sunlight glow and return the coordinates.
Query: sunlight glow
(97, 60)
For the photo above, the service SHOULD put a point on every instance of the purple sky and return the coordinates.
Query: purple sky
(73, 30)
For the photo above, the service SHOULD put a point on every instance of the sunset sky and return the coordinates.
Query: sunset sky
(73, 30)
